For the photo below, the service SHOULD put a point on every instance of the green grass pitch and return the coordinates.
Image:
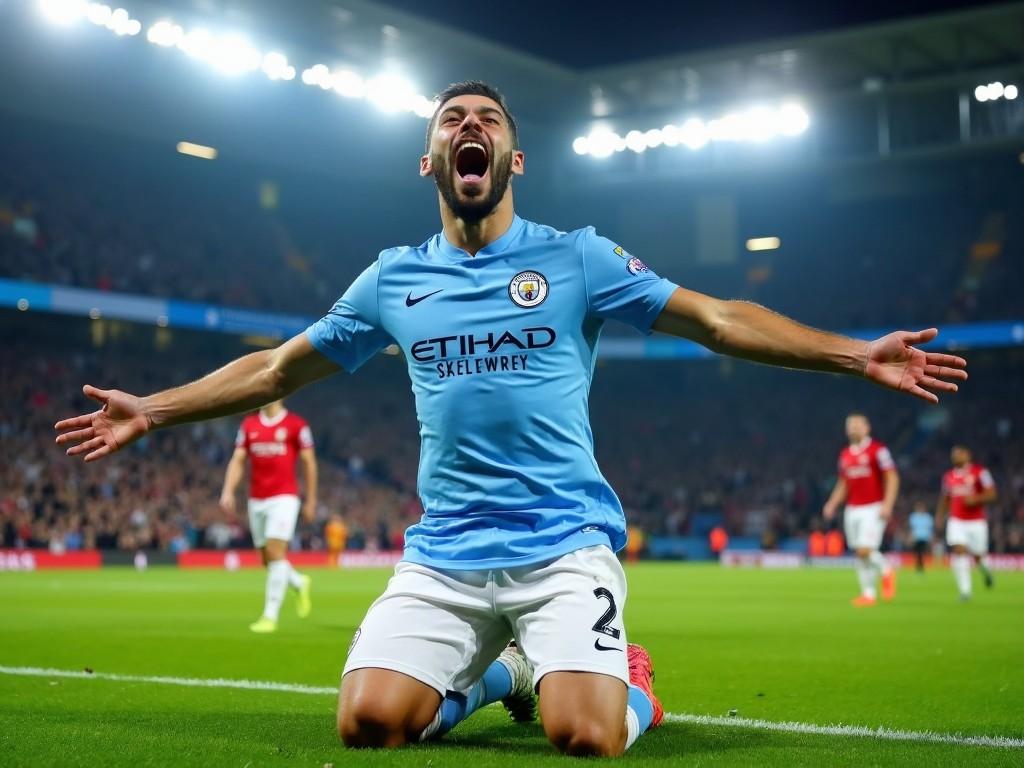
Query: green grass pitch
(773, 645)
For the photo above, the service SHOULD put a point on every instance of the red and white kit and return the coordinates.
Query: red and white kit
(967, 524)
(863, 467)
(273, 446)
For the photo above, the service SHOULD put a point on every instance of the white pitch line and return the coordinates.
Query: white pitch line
(889, 734)
(191, 682)
(856, 731)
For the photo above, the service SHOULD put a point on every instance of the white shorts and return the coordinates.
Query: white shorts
(864, 526)
(972, 534)
(273, 518)
(444, 628)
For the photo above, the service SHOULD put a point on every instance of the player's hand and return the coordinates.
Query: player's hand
(828, 511)
(309, 512)
(894, 362)
(120, 422)
(885, 513)
(227, 503)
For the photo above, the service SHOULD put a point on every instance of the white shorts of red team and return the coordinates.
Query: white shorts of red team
(972, 534)
(863, 526)
(444, 628)
(273, 518)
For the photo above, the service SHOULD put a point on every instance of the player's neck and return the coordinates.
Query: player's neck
(860, 443)
(471, 237)
(272, 415)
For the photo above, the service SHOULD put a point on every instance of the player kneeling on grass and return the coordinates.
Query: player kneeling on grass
(869, 483)
(966, 489)
(273, 440)
(499, 320)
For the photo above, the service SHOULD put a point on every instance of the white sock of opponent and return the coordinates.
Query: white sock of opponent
(880, 563)
(294, 577)
(277, 583)
(866, 576)
(961, 566)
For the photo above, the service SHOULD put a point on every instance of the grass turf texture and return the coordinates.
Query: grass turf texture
(776, 645)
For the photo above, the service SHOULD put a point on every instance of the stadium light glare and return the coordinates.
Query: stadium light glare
(196, 150)
(635, 141)
(603, 142)
(654, 138)
(165, 33)
(581, 145)
(995, 91)
(793, 120)
(98, 14)
(390, 92)
(234, 55)
(1010, 92)
(63, 12)
(425, 107)
(275, 65)
(197, 43)
(694, 134)
(349, 84)
(763, 244)
(981, 93)
(670, 136)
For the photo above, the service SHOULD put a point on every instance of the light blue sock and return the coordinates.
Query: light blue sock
(641, 705)
(496, 684)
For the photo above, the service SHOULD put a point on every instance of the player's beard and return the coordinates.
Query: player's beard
(472, 211)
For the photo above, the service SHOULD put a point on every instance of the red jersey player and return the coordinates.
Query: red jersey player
(868, 481)
(966, 489)
(274, 439)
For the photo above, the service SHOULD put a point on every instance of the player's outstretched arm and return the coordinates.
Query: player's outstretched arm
(747, 330)
(242, 385)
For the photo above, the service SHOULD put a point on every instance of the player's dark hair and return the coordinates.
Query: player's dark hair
(473, 88)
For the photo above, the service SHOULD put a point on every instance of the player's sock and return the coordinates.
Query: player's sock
(986, 570)
(277, 583)
(294, 577)
(961, 566)
(495, 685)
(639, 714)
(879, 562)
(866, 576)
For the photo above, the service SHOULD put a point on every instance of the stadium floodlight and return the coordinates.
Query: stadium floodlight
(793, 120)
(581, 145)
(763, 244)
(425, 107)
(348, 83)
(99, 14)
(165, 33)
(603, 142)
(654, 138)
(995, 91)
(276, 67)
(670, 136)
(318, 74)
(390, 92)
(635, 141)
(234, 55)
(981, 93)
(63, 12)
(1010, 92)
(694, 133)
(197, 43)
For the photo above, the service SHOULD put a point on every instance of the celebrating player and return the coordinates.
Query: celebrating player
(966, 489)
(869, 483)
(499, 319)
(274, 439)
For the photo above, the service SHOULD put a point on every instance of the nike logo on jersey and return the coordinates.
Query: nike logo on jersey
(411, 302)
(598, 646)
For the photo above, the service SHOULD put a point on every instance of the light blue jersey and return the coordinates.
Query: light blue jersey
(922, 527)
(500, 348)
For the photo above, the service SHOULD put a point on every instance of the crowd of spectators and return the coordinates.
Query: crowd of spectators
(750, 447)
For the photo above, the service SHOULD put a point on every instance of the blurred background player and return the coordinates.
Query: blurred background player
(336, 537)
(869, 483)
(274, 439)
(922, 528)
(966, 489)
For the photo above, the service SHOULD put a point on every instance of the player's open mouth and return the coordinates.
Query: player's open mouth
(471, 162)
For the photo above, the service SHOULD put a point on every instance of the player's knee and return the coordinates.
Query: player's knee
(585, 737)
(370, 724)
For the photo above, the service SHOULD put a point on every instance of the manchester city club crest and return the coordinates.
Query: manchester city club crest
(528, 289)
